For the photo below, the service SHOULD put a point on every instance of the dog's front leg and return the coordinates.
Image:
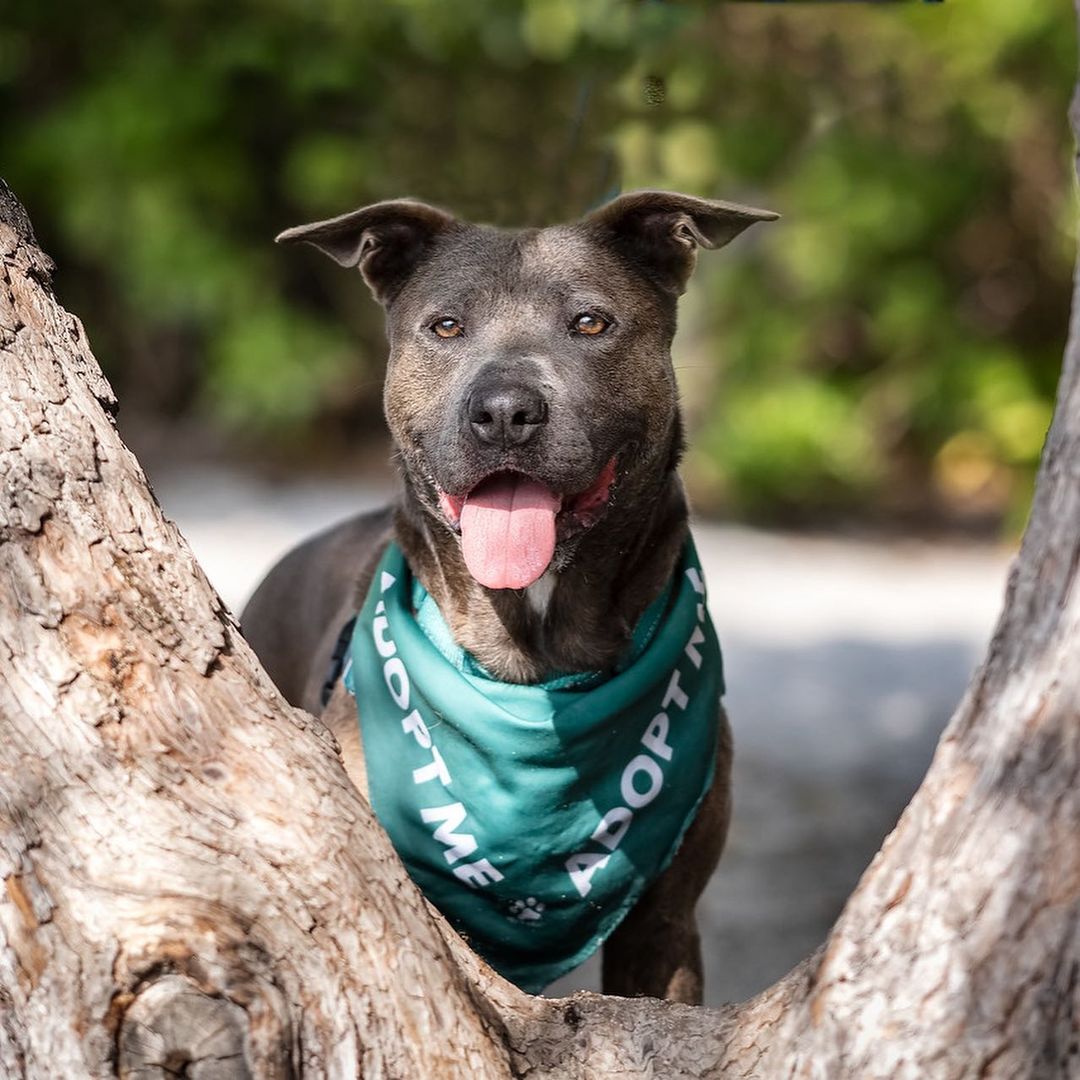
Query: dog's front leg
(656, 951)
(340, 717)
(654, 954)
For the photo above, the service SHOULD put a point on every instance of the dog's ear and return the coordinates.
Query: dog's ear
(386, 240)
(660, 231)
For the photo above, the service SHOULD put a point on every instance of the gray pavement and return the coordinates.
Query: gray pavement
(844, 659)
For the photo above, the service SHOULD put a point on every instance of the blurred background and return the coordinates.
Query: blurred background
(886, 354)
(868, 382)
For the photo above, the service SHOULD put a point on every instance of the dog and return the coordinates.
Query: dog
(542, 524)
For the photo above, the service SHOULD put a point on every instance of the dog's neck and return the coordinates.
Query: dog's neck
(578, 618)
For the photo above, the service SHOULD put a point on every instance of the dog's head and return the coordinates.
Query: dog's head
(530, 382)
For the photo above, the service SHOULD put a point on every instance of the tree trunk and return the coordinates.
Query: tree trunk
(192, 886)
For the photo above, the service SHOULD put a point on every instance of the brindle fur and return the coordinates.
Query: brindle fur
(615, 396)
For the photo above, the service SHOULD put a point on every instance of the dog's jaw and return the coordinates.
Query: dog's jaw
(580, 614)
(581, 508)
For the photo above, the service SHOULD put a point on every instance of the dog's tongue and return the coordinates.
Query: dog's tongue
(508, 530)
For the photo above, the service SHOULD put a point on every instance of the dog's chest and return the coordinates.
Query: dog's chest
(532, 816)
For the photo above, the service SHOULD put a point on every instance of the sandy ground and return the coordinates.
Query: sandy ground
(843, 658)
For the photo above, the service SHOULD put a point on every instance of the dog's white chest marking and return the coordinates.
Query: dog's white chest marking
(538, 594)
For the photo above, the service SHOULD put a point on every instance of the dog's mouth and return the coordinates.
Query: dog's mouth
(510, 522)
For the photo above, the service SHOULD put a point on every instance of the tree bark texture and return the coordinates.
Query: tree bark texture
(189, 879)
(191, 886)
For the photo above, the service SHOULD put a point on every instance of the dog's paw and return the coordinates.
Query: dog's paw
(528, 910)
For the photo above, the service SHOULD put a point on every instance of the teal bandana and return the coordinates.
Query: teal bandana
(533, 817)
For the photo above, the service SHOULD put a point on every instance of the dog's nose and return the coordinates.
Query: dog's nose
(506, 415)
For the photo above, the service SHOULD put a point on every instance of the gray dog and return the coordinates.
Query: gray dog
(536, 716)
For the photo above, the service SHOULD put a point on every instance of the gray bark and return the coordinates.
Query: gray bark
(189, 878)
(192, 886)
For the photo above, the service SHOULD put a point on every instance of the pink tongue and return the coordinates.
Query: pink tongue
(508, 530)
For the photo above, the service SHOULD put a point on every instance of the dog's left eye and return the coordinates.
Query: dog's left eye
(589, 323)
(447, 328)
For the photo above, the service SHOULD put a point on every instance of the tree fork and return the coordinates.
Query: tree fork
(191, 884)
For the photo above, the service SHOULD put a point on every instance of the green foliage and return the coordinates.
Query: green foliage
(890, 347)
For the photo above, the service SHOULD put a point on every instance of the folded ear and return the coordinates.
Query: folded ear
(386, 240)
(660, 231)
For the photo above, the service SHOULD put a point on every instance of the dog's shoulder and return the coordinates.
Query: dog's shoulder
(296, 613)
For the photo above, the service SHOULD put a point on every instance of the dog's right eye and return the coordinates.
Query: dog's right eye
(589, 323)
(447, 328)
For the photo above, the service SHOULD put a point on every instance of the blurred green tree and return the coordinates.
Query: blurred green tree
(888, 350)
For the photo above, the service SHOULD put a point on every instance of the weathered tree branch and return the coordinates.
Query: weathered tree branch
(191, 883)
(188, 875)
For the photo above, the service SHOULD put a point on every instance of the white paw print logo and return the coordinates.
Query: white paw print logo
(528, 910)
